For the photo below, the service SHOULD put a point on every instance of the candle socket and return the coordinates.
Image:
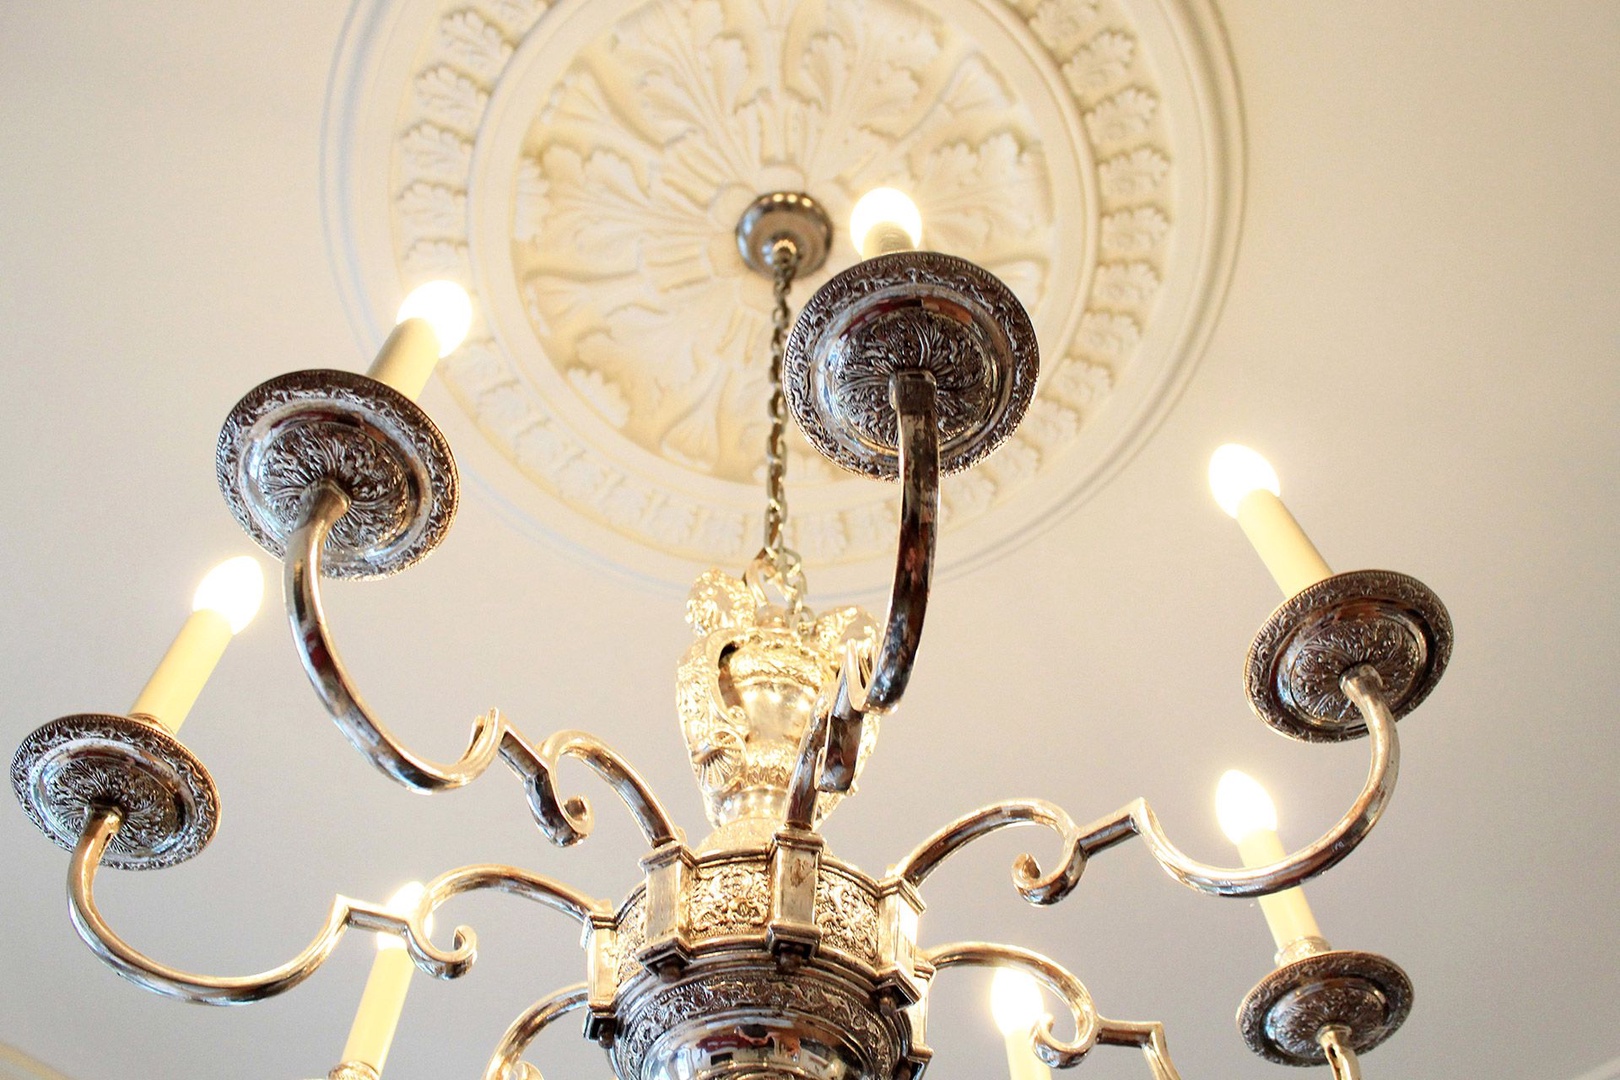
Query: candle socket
(354, 1070)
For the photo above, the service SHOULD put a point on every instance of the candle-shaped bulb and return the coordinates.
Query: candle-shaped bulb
(1248, 817)
(445, 306)
(885, 220)
(1235, 471)
(1243, 807)
(384, 997)
(1015, 1001)
(234, 589)
(223, 604)
(433, 320)
(1245, 485)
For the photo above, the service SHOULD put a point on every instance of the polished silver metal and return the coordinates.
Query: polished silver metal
(1358, 999)
(67, 770)
(506, 1062)
(1390, 621)
(411, 926)
(1138, 818)
(912, 310)
(786, 563)
(1032, 884)
(1091, 1029)
(789, 216)
(353, 1070)
(1335, 1043)
(492, 734)
(874, 675)
(374, 444)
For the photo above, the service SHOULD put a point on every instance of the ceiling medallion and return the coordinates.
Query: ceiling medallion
(583, 164)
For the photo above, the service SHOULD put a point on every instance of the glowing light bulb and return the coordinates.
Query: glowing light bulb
(403, 902)
(1234, 471)
(1015, 1001)
(234, 589)
(1243, 807)
(885, 220)
(445, 306)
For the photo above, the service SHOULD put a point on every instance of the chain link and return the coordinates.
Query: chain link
(785, 263)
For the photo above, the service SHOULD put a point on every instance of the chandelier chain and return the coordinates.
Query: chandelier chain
(784, 258)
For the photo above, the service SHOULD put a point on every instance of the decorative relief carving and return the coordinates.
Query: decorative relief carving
(622, 198)
(729, 898)
(847, 916)
(748, 687)
(843, 1008)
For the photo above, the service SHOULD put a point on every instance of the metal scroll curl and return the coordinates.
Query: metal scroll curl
(563, 821)
(344, 913)
(1091, 1029)
(506, 1062)
(1363, 686)
(1032, 884)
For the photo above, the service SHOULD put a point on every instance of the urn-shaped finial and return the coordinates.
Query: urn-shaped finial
(746, 691)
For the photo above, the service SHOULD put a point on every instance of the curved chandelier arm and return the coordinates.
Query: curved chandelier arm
(1034, 886)
(506, 1063)
(1148, 1035)
(502, 878)
(877, 683)
(1363, 686)
(1056, 978)
(301, 579)
(568, 821)
(99, 829)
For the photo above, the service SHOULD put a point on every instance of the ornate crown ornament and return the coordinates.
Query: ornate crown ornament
(748, 690)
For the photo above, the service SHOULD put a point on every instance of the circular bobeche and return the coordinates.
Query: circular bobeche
(910, 310)
(784, 215)
(1366, 993)
(376, 444)
(74, 764)
(1391, 621)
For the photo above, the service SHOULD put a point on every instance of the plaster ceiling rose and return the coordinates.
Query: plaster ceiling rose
(582, 167)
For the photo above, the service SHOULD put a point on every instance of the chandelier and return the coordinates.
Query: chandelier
(756, 952)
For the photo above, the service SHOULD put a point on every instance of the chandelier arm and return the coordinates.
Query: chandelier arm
(100, 827)
(301, 579)
(1056, 978)
(1148, 1035)
(502, 878)
(801, 801)
(569, 821)
(1034, 886)
(916, 406)
(1364, 687)
(504, 1062)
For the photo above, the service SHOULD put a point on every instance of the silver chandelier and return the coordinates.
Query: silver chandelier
(755, 953)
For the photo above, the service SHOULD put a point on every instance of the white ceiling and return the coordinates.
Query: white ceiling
(1421, 332)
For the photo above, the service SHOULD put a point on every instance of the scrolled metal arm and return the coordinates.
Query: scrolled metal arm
(502, 878)
(872, 679)
(568, 821)
(1363, 686)
(140, 969)
(504, 1063)
(103, 824)
(1091, 1030)
(563, 822)
(301, 579)
(1034, 886)
(1071, 991)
